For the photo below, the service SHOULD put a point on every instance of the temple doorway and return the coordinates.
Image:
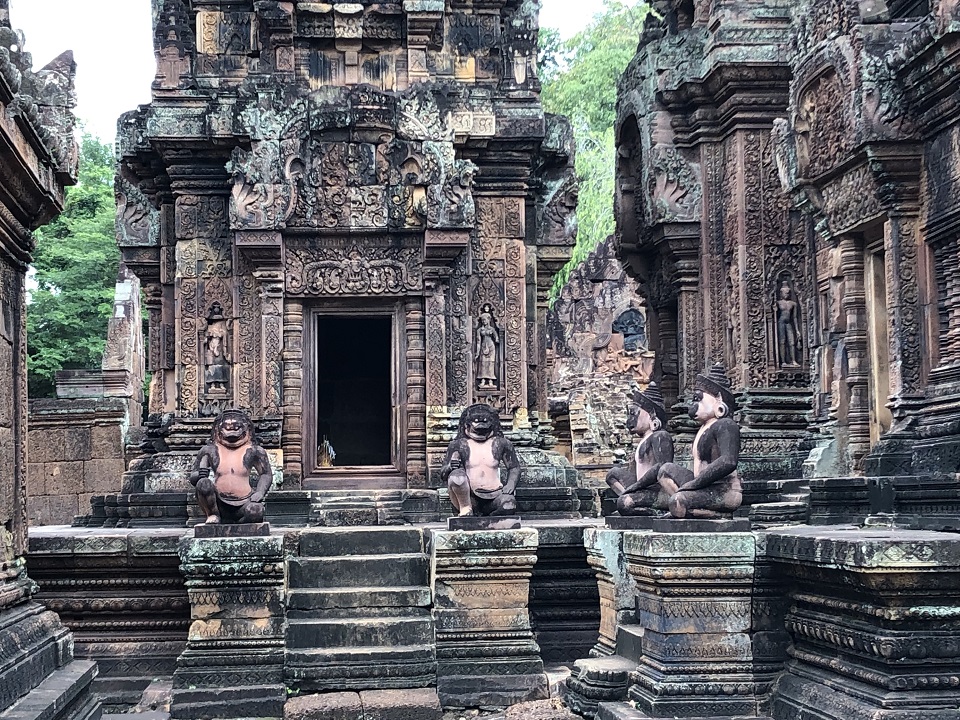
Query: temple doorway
(354, 370)
(353, 426)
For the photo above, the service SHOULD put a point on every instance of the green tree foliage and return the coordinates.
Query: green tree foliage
(579, 79)
(76, 261)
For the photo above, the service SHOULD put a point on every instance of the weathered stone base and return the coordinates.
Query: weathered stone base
(873, 623)
(596, 680)
(486, 654)
(233, 665)
(804, 693)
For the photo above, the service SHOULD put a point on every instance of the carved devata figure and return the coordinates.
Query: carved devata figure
(472, 465)
(488, 347)
(232, 472)
(636, 484)
(712, 489)
(788, 327)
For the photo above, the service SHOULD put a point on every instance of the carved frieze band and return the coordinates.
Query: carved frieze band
(380, 267)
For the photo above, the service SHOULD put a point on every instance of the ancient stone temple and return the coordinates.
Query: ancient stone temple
(38, 156)
(345, 218)
(783, 196)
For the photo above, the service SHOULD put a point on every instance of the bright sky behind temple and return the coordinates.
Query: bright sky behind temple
(113, 46)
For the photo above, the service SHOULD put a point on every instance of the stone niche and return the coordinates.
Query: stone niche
(345, 223)
(599, 354)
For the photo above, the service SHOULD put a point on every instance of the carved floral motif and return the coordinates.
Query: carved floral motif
(349, 269)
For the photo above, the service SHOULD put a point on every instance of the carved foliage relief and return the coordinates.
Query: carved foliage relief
(823, 123)
(404, 174)
(380, 266)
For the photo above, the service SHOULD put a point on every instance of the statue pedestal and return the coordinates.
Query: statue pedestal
(233, 664)
(695, 601)
(486, 654)
(617, 588)
(479, 522)
(677, 525)
(874, 619)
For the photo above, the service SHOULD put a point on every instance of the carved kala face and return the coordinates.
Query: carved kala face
(234, 432)
(705, 407)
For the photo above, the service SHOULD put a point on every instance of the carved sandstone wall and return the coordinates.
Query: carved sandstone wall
(599, 355)
(787, 198)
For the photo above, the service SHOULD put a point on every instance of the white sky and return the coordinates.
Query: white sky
(112, 44)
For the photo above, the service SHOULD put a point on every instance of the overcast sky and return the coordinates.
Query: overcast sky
(112, 44)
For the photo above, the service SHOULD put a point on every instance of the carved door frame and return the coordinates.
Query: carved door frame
(373, 477)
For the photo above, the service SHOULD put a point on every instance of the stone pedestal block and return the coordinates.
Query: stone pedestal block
(617, 588)
(874, 623)
(233, 664)
(486, 654)
(694, 600)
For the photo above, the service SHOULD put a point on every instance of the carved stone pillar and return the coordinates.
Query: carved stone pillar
(270, 283)
(695, 601)
(436, 343)
(904, 307)
(293, 388)
(234, 654)
(617, 588)
(690, 332)
(856, 384)
(486, 654)
(416, 393)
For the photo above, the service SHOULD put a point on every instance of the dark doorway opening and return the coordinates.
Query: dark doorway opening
(354, 404)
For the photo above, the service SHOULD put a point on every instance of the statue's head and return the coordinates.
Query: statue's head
(232, 428)
(785, 292)
(712, 398)
(480, 422)
(647, 412)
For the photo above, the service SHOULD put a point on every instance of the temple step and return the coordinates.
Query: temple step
(358, 611)
(360, 541)
(359, 597)
(63, 695)
(630, 642)
(360, 571)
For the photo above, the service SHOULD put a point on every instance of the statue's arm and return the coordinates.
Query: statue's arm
(202, 462)
(508, 456)
(261, 465)
(619, 476)
(726, 433)
(661, 450)
(447, 467)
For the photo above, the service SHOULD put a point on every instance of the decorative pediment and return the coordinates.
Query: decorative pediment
(402, 174)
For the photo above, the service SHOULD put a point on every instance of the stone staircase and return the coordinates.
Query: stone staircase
(358, 611)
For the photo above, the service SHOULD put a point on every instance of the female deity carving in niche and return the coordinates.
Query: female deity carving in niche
(487, 351)
(216, 374)
(788, 327)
